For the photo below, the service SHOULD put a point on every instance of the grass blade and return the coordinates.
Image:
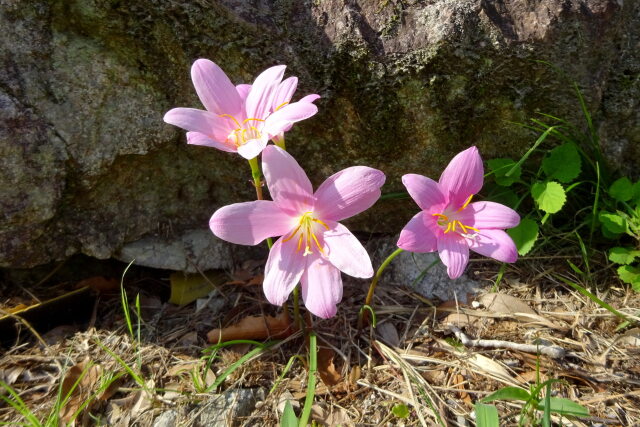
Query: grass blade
(486, 415)
(311, 382)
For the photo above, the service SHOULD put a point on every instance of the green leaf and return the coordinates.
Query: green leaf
(289, 418)
(502, 167)
(486, 415)
(621, 189)
(563, 163)
(635, 193)
(507, 393)
(623, 255)
(560, 405)
(630, 275)
(400, 410)
(549, 196)
(524, 235)
(613, 223)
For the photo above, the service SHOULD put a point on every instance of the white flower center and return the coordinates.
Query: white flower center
(306, 230)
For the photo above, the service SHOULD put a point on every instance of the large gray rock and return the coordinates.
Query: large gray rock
(89, 166)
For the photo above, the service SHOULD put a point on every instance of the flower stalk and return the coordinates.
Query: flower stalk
(362, 316)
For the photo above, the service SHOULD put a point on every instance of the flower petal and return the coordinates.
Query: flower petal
(252, 147)
(262, 92)
(243, 91)
(346, 252)
(348, 192)
(462, 177)
(321, 287)
(288, 184)
(249, 223)
(454, 253)
(489, 215)
(197, 138)
(199, 121)
(215, 90)
(282, 119)
(284, 93)
(283, 271)
(309, 98)
(420, 234)
(494, 244)
(425, 192)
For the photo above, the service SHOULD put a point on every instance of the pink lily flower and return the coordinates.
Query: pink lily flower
(240, 119)
(314, 246)
(452, 225)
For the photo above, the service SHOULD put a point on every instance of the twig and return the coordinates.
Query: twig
(553, 351)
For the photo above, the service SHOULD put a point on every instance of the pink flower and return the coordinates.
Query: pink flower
(452, 225)
(240, 118)
(314, 246)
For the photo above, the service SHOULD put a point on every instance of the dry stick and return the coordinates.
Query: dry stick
(553, 351)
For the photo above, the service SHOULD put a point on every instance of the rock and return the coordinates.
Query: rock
(166, 419)
(89, 166)
(224, 409)
(424, 273)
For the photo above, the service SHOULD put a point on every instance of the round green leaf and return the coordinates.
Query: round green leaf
(621, 189)
(400, 410)
(549, 196)
(630, 275)
(563, 163)
(623, 255)
(500, 169)
(524, 235)
(613, 223)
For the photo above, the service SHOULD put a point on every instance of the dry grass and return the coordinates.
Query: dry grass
(412, 357)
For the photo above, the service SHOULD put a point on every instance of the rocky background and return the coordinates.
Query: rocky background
(89, 167)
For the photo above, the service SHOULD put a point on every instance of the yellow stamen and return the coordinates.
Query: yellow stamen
(232, 118)
(466, 203)
(448, 228)
(320, 222)
(251, 118)
(280, 106)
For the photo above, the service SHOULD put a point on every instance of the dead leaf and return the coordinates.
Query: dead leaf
(461, 320)
(254, 328)
(186, 288)
(256, 280)
(79, 383)
(631, 338)
(335, 416)
(355, 374)
(506, 304)
(458, 382)
(388, 333)
(11, 375)
(326, 369)
(510, 305)
(99, 284)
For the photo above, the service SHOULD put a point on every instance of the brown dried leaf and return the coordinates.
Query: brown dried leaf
(461, 320)
(254, 328)
(79, 382)
(326, 369)
(388, 333)
(505, 304)
(99, 284)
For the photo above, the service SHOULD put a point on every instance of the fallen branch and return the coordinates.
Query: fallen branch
(552, 351)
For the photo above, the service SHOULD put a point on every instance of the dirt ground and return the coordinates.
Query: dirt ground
(420, 356)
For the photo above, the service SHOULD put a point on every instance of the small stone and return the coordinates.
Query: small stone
(166, 419)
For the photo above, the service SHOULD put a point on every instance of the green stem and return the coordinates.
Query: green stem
(362, 317)
(257, 182)
(257, 176)
(311, 382)
(297, 320)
